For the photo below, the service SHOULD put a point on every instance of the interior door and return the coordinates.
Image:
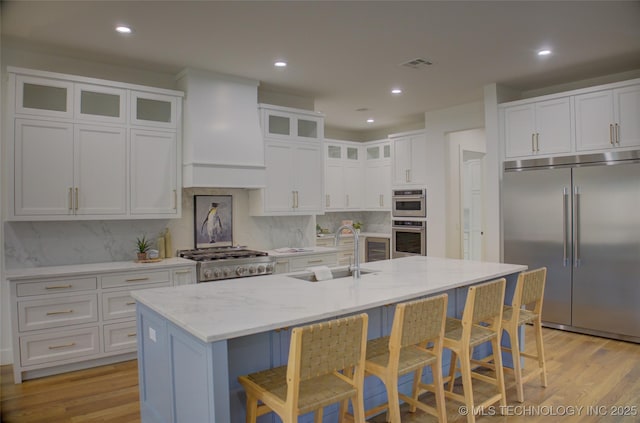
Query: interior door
(536, 205)
(606, 282)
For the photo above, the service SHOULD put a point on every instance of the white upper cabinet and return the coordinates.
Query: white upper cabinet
(79, 152)
(154, 188)
(538, 128)
(409, 159)
(343, 175)
(289, 124)
(100, 104)
(608, 119)
(377, 176)
(155, 110)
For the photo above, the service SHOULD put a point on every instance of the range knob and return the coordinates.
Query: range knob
(252, 270)
(269, 268)
(217, 273)
(226, 272)
(261, 268)
(240, 270)
(207, 274)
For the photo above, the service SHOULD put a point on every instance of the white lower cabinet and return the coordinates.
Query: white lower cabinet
(78, 318)
(302, 262)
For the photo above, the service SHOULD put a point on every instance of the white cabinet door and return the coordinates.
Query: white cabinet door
(410, 154)
(334, 186)
(627, 111)
(155, 110)
(519, 130)
(595, 121)
(307, 179)
(153, 172)
(44, 97)
(279, 160)
(353, 185)
(553, 126)
(184, 276)
(43, 168)
(101, 170)
(377, 186)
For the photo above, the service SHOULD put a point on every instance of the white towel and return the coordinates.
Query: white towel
(322, 273)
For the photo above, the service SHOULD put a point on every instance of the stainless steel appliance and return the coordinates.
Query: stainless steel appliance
(580, 217)
(220, 263)
(409, 203)
(409, 238)
(376, 248)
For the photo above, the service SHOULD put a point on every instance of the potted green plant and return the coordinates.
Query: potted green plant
(142, 245)
(357, 226)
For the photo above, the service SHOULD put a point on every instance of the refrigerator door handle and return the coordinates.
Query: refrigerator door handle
(576, 226)
(565, 226)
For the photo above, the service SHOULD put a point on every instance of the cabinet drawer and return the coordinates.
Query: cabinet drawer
(135, 278)
(120, 336)
(119, 304)
(299, 263)
(325, 242)
(56, 312)
(55, 286)
(60, 345)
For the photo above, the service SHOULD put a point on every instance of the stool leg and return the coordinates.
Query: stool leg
(436, 371)
(452, 370)
(467, 387)
(393, 415)
(317, 415)
(358, 406)
(252, 409)
(417, 378)
(497, 359)
(541, 361)
(517, 361)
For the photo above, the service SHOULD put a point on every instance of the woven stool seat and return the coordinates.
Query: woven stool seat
(326, 366)
(525, 316)
(479, 334)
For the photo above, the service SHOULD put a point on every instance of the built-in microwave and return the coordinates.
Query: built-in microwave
(409, 238)
(409, 203)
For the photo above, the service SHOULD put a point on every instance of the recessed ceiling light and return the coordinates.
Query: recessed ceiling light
(396, 91)
(544, 52)
(370, 120)
(123, 29)
(280, 64)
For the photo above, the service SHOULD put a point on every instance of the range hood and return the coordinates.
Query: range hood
(222, 140)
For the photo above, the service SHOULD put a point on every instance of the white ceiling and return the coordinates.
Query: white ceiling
(347, 54)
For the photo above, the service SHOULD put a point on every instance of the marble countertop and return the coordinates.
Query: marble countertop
(82, 269)
(305, 251)
(362, 235)
(232, 308)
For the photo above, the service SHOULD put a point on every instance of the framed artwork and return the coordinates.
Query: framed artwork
(213, 221)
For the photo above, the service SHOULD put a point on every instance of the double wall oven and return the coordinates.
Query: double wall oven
(409, 223)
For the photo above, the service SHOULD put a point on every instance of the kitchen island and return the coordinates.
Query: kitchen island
(195, 340)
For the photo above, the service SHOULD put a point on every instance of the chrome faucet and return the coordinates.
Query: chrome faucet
(355, 269)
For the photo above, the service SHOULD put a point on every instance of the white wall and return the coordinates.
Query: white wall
(468, 140)
(438, 125)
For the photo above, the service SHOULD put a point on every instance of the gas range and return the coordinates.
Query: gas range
(218, 263)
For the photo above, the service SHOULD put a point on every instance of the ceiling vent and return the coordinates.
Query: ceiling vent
(417, 63)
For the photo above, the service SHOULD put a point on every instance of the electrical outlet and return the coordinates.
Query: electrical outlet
(152, 334)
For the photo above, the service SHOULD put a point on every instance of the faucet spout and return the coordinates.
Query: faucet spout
(355, 269)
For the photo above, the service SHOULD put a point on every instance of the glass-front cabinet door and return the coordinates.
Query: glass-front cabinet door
(102, 104)
(308, 128)
(44, 97)
(156, 110)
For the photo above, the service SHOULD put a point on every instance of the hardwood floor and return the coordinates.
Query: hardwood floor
(583, 371)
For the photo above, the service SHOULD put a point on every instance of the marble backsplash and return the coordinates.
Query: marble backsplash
(371, 221)
(33, 244)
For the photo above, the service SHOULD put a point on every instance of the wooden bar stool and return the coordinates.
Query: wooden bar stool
(415, 342)
(481, 322)
(529, 293)
(312, 379)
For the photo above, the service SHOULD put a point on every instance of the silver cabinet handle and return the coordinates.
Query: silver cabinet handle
(58, 286)
(293, 199)
(137, 279)
(182, 272)
(533, 142)
(327, 200)
(611, 133)
(618, 134)
(537, 141)
(175, 199)
(565, 226)
(381, 200)
(77, 198)
(297, 199)
(406, 175)
(52, 313)
(347, 200)
(55, 347)
(131, 335)
(131, 303)
(70, 198)
(576, 226)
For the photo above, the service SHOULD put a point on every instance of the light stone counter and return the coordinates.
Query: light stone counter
(296, 252)
(233, 308)
(92, 268)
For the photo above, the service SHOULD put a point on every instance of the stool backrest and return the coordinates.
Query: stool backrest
(530, 289)
(323, 348)
(421, 320)
(485, 302)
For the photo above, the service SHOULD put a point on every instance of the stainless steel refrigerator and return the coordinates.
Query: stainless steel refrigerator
(580, 217)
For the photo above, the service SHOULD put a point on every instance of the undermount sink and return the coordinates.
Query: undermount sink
(337, 274)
